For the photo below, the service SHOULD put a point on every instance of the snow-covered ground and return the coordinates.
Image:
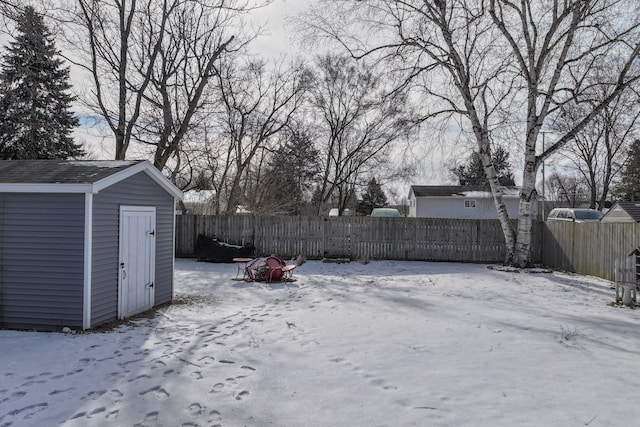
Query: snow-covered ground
(378, 344)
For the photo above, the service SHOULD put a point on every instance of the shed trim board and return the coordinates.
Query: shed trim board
(46, 188)
(88, 255)
(173, 247)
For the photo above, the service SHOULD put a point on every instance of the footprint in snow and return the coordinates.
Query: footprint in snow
(86, 361)
(112, 415)
(115, 375)
(195, 409)
(78, 415)
(30, 410)
(243, 394)
(54, 392)
(206, 360)
(158, 364)
(31, 377)
(13, 396)
(139, 377)
(96, 412)
(158, 391)
(151, 416)
(217, 388)
(215, 416)
(93, 395)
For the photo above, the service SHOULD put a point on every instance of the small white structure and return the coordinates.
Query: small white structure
(460, 202)
(623, 212)
(626, 279)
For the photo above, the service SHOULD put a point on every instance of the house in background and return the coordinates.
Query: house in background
(460, 202)
(83, 243)
(623, 212)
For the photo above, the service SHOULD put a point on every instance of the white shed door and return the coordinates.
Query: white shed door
(137, 259)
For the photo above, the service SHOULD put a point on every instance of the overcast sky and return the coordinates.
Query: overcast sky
(279, 38)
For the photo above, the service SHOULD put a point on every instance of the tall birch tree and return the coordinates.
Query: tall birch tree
(498, 64)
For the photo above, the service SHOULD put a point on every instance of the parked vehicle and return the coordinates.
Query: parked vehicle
(573, 214)
(336, 212)
(389, 212)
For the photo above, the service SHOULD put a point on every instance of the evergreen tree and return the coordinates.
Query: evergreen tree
(473, 172)
(35, 117)
(628, 187)
(291, 170)
(372, 198)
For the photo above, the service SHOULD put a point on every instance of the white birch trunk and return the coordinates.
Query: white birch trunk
(528, 199)
(497, 194)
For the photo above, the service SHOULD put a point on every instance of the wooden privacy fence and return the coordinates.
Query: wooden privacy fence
(584, 248)
(588, 248)
(352, 237)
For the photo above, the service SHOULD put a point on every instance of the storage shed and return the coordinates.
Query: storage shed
(83, 243)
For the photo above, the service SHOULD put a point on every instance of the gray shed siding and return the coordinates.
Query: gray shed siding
(138, 190)
(41, 260)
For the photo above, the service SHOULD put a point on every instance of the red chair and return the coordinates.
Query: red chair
(274, 268)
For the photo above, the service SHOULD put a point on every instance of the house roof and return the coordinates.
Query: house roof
(75, 176)
(460, 191)
(631, 208)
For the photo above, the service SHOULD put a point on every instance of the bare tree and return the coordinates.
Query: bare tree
(11, 9)
(566, 190)
(149, 56)
(357, 122)
(500, 62)
(599, 150)
(196, 37)
(257, 104)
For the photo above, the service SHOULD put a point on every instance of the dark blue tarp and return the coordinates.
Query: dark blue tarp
(213, 250)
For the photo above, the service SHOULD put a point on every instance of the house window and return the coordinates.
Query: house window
(470, 204)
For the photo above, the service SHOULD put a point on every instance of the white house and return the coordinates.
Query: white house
(460, 202)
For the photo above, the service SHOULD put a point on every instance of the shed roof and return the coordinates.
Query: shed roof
(631, 208)
(74, 176)
(459, 191)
